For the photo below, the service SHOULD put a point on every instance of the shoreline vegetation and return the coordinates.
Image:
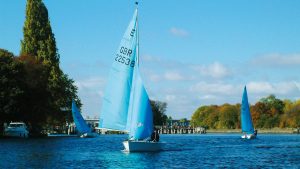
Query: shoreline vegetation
(269, 114)
(260, 131)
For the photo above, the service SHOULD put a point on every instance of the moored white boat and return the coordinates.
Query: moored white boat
(16, 129)
(141, 146)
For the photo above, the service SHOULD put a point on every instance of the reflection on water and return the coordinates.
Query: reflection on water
(181, 151)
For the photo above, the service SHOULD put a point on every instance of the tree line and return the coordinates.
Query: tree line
(33, 88)
(268, 112)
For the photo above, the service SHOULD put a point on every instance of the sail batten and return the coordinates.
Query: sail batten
(246, 119)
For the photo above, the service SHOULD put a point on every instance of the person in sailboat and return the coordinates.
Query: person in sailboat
(155, 136)
(255, 132)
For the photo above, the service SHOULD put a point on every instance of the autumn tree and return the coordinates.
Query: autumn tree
(228, 116)
(205, 116)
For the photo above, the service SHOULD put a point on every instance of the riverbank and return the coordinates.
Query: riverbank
(268, 131)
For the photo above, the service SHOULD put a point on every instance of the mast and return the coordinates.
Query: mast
(137, 34)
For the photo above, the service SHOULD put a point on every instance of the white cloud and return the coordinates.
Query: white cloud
(155, 78)
(173, 76)
(277, 60)
(215, 70)
(204, 88)
(179, 32)
(170, 97)
(90, 83)
(280, 88)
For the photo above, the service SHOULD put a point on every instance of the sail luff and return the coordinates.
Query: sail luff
(246, 119)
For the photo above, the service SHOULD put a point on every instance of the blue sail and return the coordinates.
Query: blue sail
(246, 119)
(117, 94)
(141, 125)
(81, 125)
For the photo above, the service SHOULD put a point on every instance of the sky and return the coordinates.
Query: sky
(192, 53)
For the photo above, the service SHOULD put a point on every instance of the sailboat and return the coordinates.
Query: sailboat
(246, 119)
(126, 105)
(83, 129)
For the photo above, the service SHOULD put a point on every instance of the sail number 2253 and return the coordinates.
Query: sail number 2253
(123, 56)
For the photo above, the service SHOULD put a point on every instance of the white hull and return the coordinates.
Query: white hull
(142, 146)
(248, 136)
(88, 135)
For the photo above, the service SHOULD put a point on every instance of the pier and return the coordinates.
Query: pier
(181, 130)
(171, 127)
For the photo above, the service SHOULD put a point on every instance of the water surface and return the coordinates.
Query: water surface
(181, 151)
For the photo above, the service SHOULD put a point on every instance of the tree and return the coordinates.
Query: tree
(228, 116)
(259, 114)
(39, 42)
(159, 108)
(39, 39)
(36, 105)
(272, 102)
(205, 116)
(11, 87)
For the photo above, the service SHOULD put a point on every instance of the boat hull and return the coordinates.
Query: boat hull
(21, 134)
(142, 146)
(248, 136)
(16, 129)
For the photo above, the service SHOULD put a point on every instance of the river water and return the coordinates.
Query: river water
(181, 151)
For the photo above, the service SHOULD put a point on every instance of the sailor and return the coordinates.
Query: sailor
(155, 136)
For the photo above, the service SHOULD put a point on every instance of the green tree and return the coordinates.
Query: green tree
(228, 116)
(159, 108)
(36, 105)
(39, 39)
(205, 116)
(11, 87)
(272, 102)
(39, 42)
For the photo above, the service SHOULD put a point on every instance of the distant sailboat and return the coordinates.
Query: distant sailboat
(246, 119)
(83, 129)
(126, 106)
